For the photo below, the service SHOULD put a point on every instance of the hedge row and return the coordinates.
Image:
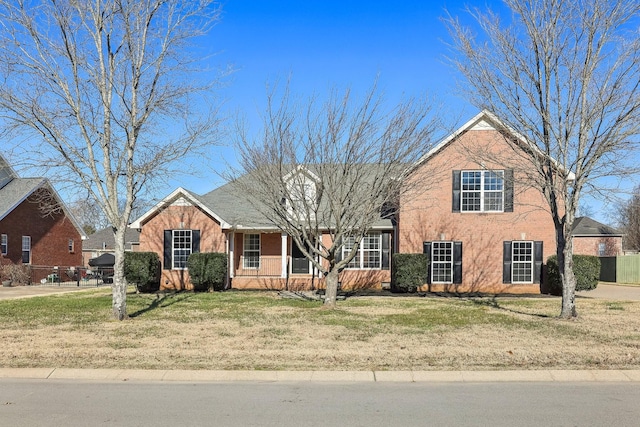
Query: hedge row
(207, 270)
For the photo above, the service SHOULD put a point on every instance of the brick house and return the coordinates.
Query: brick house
(591, 237)
(468, 205)
(35, 226)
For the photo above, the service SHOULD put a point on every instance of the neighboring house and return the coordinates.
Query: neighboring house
(483, 226)
(35, 226)
(591, 237)
(103, 242)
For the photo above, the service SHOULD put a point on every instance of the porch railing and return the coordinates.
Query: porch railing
(269, 266)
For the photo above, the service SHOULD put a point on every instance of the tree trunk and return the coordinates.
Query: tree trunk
(565, 268)
(331, 292)
(119, 285)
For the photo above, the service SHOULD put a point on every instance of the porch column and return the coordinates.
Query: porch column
(283, 252)
(232, 244)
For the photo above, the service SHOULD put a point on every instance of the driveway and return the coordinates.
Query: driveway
(34, 291)
(613, 292)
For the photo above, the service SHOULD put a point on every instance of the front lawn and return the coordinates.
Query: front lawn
(258, 330)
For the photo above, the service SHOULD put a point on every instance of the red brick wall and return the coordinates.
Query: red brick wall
(590, 245)
(426, 211)
(212, 239)
(50, 236)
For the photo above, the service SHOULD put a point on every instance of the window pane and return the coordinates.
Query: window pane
(442, 262)
(251, 251)
(181, 248)
(522, 262)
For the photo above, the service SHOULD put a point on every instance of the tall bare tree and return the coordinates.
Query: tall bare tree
(566, 76)
(332, 168)
(629, 221)
(106, 92)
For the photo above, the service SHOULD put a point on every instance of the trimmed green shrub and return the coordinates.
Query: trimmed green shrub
(142, 269)
(585, 267)
(207, 270)
(409, 272)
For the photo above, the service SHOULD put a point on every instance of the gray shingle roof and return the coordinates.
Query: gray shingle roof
(16, 191)
(585, 226)
(104, 237)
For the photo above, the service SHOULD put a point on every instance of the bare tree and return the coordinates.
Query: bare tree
(566, 76)
(629, 220)
(105, 90)
(331, 168)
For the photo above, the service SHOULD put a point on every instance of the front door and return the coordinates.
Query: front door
(299, 263)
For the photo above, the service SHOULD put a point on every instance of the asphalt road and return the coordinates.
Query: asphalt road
(81, 403)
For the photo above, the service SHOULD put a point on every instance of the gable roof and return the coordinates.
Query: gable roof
(587, 227)
(485, 120)
(177, 194)
(231, 208)
(105, 237)
(15, 190)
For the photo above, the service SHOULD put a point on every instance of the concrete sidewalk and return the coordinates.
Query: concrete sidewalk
(321, 376)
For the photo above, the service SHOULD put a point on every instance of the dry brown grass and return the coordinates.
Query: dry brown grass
(241, 330)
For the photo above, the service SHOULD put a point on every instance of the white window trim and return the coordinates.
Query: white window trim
(432, 263)
(72, 246)
(26, 246)
(4, 244)
(361, 251)
(482, 191)
(602, 249)
(245, 238)
(173, 248)
(514, 262)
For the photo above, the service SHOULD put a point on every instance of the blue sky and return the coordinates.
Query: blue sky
(324, 44)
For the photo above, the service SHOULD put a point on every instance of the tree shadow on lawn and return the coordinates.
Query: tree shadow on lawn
(478, 298)
(163, 300)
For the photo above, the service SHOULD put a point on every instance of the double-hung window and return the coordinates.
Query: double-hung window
(4, 244)
(442, 262)
(522, 262)
(26, 249)
(482, 191)
(369, 256)
(181, 248)
(251, 254)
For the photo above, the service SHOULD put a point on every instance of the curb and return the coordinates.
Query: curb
(321, 376)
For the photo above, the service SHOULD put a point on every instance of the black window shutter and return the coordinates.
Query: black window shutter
(508, 190)
(167, 249)
(457, 263)
(386, 246)
(506, 262)
(195, 241)
(456, 191)
(537, 261)
(426, 249)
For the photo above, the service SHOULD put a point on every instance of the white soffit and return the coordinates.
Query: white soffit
(181, 201)
(482, 125)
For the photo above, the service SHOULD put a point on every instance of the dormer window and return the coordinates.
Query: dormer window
(301, 193)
